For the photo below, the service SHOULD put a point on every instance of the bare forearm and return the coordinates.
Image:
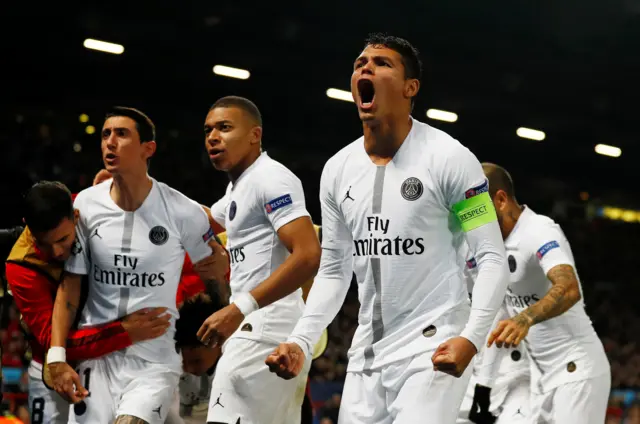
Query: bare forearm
(65, 310)
(561, 297)
(289, 277)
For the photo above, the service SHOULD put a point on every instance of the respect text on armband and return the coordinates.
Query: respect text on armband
(124, 274)
(381, 243)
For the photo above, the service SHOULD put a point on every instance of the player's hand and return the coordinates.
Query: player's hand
(453, 356)
(479, 413)
(510, 332)
(215, 266)
(220, 326)
(146, 324)
(66, 382)
(286, 360)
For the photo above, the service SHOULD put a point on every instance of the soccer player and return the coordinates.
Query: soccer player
(545, 303)
(132, 236)
(34, 268)
(396, 204)
(274, 250)
(499, 389)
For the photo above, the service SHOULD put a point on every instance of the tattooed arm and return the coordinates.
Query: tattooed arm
(65, 308)
(129, 419)
(564, 293)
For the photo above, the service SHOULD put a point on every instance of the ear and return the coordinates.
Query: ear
(411, 88)
(256, 135)
(76, 216)
(149, 149)
(500, 200)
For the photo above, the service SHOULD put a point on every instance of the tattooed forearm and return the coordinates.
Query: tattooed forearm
(129, 419)
(560, 298)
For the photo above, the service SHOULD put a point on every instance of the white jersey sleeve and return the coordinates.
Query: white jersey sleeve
(283, 199)
(489, 365)
(466, 191)
(219, 210)
(78, 262)
(331, 285)
(550, 246)
(193, 224)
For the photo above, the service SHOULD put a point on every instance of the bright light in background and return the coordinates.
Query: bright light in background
(90, 129)
(442, 115)
(77, 147)
(334, 93)
(103, 46)
(84, 118)
(619, 214)
(606, 150)
(227, 71)
(530, 134)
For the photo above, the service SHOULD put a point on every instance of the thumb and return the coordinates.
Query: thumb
(79, 387)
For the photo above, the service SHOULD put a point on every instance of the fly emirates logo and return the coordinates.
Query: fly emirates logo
(380, 243)
(125, 274)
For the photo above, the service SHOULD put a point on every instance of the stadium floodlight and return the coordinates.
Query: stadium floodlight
(227, 71)
(606, 150)
(530, 134)
(442, 115)
(335, 93)
(103, 46)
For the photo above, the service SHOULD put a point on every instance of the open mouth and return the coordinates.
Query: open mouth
(110, 157)
(367, 93)
(215, 152)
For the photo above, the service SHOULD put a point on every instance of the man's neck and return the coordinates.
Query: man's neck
(383, 138)
(129, 191)
(244, 164)
(512, 215)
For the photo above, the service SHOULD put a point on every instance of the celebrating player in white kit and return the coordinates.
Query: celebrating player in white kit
(274, 250)
(396, 205)
(499, 389)
(132, 236)
(545, 303)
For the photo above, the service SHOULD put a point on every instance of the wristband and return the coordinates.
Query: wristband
(56, 354)
(246, 303)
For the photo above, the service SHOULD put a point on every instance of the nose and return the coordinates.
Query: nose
(58, 251)
(213, 137)
(367, 68)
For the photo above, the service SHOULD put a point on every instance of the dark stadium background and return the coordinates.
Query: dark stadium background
(567, 68)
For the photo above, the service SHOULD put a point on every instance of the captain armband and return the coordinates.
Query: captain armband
(475, 212)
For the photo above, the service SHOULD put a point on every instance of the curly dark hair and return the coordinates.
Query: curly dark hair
(193, 312)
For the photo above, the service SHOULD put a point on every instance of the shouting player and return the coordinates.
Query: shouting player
(396, 204)
(34, 269)
(545, 303)
(132, 236)
(274, 250)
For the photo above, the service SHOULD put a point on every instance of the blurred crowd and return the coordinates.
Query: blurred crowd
(45, 145)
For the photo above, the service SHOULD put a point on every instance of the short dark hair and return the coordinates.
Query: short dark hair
(144, 125)
(499, 179)
(410, 55)
(193, 313)
(241, 103)
(46, 204)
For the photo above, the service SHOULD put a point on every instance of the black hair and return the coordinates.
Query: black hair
(241, 103)
(499, 179)
(193, 313)
(144, 125)
(46, 204)
(410, 55)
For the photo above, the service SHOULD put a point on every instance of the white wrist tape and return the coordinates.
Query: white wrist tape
(56, 354)
(246, 303)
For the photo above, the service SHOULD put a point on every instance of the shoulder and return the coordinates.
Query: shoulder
(344, 155)
(270, 169)
(540, 232)
(178, 205)
(92, 194)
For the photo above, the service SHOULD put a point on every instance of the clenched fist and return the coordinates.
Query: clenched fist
(287, 360)
(453, 356)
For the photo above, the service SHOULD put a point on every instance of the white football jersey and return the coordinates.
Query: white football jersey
(565, 348)
(134, 259)
(266, 197)
(398, 219)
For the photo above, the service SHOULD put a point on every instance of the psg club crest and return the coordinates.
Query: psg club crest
(411, 189)
(76, 249)
(158, 235)
(512, 263)
(232, 210)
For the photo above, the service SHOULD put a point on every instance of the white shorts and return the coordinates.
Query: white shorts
(45, 405)
(580, 402)
(511, 404)
(403, 392)
(125, 385)
(244, 390)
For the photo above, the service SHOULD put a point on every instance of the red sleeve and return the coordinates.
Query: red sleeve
(32, 293)
(190, 282)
